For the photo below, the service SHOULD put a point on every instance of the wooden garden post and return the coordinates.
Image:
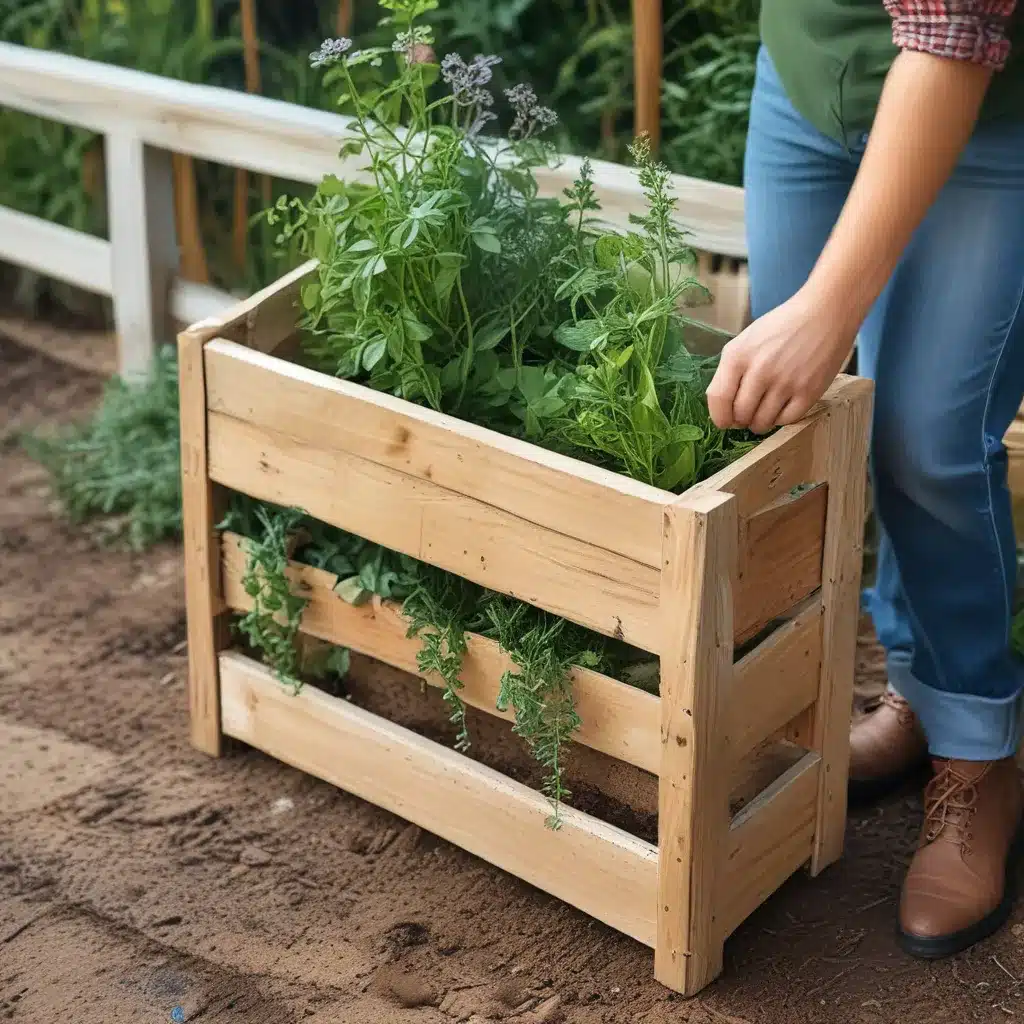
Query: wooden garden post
(346, 14)
(253, 85)
(194, 266)
(698, 567)
(648, 47)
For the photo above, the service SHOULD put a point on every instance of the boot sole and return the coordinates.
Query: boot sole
(941, 946)
(862, 792)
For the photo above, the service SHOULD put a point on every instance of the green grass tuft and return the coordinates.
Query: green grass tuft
(123, 464)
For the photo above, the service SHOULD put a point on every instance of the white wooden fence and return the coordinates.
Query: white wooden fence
(144, 118)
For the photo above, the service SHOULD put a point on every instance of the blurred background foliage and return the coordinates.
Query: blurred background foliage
(577, 54)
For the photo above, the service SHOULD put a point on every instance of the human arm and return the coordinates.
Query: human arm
(776, 369)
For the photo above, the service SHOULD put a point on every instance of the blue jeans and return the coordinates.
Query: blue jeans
(945, 347)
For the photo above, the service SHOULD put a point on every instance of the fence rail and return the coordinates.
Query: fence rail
(144, 118)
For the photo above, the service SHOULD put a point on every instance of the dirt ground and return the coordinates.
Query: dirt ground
(141, 881)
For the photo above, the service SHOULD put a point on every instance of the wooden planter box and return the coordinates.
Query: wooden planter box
(748, 557)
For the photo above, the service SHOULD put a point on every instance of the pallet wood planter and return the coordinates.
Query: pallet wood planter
(765, 554)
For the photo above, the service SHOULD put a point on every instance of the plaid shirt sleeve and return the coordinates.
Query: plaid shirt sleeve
(969, 30)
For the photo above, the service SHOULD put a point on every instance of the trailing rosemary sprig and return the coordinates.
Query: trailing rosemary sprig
(544, 648)
(272, 624)
(440, 611)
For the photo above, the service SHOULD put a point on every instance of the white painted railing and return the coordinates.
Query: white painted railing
(145, 118)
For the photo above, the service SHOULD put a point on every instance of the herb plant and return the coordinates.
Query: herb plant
(449, 281)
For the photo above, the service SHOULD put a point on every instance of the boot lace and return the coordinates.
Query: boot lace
(950, 803)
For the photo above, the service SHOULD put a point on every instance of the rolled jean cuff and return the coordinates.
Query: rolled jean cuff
(960, 726)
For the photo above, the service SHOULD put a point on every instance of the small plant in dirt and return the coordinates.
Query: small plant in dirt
(123, 464)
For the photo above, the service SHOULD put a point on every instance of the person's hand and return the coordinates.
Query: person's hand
(774, 371)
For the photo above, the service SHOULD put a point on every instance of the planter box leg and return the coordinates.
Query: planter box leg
(841, 458)
(201, 501)
(693, 806)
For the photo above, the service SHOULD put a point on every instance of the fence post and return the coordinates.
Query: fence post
(144, 250)
(648, 55)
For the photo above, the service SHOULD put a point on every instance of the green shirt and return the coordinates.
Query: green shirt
(832, 57)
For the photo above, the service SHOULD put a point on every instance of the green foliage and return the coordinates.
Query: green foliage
(441, 609)
(272, 624)
(123, 462)
(450, 282)
(578, 51)
(545, 649)
(636, 400)
(706, 104)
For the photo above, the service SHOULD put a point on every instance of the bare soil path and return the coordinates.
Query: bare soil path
(140, 881)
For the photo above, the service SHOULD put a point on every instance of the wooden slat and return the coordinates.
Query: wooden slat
(768, 841)
(617, 719)
(693, 796)
(263, 320)
(772, 469)
(776, 681)
(206, 626)
(566, 495)
(56, 251)
(760, 769)
(594, 587)
(842, 460)
(780, 560)
(598, 868)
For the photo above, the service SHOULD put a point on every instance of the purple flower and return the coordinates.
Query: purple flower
(467, 81)
(330, 52)
(530, 115)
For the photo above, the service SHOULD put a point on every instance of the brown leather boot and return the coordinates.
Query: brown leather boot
(959, 888)
(887, 748)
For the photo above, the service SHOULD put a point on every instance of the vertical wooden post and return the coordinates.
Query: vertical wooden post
(648, 45)
(200, 507)
(190, 236)
(698, 566)
(841, 460)
(253, 84)
(346, 14)
(140, 200)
